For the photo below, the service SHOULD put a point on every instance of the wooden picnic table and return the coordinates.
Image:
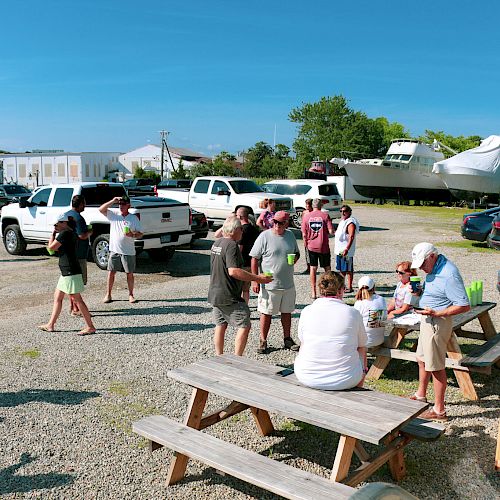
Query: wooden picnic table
(358, 415)
(480, 360)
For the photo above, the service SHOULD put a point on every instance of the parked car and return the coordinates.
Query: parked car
(494, 236)
(302, 189)
(166, 223)
(140, 187)
(477, 226)
(12, 192)
(174, 183)
(217, 197)
(199, 225)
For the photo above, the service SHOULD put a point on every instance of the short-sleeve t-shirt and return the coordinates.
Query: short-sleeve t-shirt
(443, 286)
(224, 289)
(272, 250)
(315, 227)
(118, 242)
(68, 260)
(82, 246)
(403, 295)
(249, 235)
(330, 333)
(374, 313)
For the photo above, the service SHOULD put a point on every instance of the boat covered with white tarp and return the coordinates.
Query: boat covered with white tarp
(474, 173)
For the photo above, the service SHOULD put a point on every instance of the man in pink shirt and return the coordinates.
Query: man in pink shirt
(316, 227)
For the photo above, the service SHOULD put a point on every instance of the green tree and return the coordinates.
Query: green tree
(392, 130)
(281, 151)
(140, 173)
(180, 172)
(458, 143)
(254, 158)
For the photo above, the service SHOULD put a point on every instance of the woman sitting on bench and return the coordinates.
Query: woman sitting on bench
(333, 340)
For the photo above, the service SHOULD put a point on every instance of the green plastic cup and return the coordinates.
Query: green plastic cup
(468, 290)
(479, 285)
(473, 288)
(291, 259)
(89, 227)
(50, 252)
(415, 283)
(126, 229)
(268, 273)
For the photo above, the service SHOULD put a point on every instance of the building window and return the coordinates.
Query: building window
(95, 170)
(47, 170)
(87, 170)
(61, 170)
(22, 170)
(73, 169)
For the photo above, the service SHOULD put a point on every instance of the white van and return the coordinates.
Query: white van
(302, 189)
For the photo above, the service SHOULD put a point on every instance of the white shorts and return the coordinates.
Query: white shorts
(276, 301)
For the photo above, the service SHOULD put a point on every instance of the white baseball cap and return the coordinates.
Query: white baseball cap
(420, 252)
(61, 218)
(366, 281)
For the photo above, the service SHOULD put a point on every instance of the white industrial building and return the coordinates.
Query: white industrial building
(36, 169)
(149, 158)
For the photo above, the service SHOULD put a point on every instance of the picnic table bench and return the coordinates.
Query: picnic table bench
(358, 415)
(481, 359)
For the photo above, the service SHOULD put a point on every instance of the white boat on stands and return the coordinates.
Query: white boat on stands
(405, 173)
(475, 173)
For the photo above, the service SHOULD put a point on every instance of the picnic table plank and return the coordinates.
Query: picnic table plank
(249, 466)
(381, 399)
(484, 355)
(318, 399)
(315, 407)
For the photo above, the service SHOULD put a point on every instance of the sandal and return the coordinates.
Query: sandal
(422, 399)
(431, 414)
(107, 300)
(86, 331)
(45, 328)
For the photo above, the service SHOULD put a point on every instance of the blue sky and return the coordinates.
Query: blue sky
(105, 75)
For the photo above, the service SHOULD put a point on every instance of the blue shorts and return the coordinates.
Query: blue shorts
(345, 264)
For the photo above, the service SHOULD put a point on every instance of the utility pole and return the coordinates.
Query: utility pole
(164, 146)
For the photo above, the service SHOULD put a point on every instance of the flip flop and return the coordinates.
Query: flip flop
(87, 331)
(44, 328)
(107, 300)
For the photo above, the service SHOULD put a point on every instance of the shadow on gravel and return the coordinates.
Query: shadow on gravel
(368, 228)
(58, 397)
(11, 483)
(177, 309)
(148, 330)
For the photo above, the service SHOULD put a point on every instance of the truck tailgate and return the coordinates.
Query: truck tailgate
(160, 216)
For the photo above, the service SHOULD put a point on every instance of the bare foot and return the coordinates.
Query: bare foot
(46, 328)
(107, 299)
(132, 299)
(86, 331)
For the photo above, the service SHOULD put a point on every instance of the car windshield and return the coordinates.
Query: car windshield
(15, 189)
(246, 186)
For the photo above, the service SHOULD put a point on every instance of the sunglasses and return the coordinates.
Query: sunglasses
(402, 273)
(279, 223)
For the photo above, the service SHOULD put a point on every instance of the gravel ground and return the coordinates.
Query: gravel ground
(67, 403)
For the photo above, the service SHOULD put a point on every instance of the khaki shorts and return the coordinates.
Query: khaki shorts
(237, 315)
(276, 301)
(83, 266)
(121, 263)
(435, 333)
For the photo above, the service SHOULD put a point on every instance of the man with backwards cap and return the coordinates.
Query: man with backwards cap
(443, 296)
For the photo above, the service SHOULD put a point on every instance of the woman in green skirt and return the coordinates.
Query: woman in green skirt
(64, 239)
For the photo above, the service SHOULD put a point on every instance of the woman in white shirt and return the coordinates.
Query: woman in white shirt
(403, 300)
(332, 352)
(373, 309)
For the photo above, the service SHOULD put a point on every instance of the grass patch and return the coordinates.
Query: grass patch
(119, 389)
(449, 213)
(120, 416)
(471, 246)
(31, 353)
(288, 426)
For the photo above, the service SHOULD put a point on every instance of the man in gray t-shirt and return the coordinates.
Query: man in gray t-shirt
(271, 250)
(226, 280)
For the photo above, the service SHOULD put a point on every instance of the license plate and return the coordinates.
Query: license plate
(165, 238)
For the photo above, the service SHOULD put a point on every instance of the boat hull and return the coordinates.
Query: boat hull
(377, 181)
(472, 186)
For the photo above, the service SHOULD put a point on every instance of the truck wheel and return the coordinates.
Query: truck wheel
(13, 240)
(100, 251)
(161, 254)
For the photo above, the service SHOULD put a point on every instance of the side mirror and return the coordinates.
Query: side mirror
(23, 202)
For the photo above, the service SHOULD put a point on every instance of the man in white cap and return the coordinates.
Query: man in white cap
(271, 250)
(443, 296)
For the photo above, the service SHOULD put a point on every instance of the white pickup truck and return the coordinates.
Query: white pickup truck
(165, 222)
(217, 197)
